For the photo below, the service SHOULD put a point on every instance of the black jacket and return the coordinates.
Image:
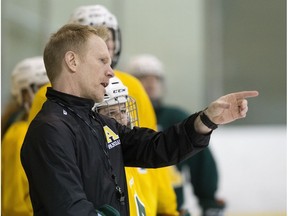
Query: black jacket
(71, 162)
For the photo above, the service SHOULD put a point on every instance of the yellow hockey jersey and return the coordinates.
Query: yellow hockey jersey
(149, 190)
(14, 188)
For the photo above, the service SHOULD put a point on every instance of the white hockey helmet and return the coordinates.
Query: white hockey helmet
(117, 93)
(98, 15)
(145, 64)
(29, 74)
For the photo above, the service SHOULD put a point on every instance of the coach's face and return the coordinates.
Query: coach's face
(94, 70)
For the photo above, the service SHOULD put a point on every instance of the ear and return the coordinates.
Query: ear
(71, 60)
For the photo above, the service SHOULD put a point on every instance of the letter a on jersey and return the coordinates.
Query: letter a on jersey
(110, 135)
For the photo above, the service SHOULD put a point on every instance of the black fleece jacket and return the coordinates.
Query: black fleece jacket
(72, 156)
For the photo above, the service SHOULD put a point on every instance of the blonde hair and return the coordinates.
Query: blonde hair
(70, 37)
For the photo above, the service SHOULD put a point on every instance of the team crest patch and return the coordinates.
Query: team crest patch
(111, 137)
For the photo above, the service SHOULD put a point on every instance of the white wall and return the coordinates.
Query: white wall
(253, 169)
(174, 32)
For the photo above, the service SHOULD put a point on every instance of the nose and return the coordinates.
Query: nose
(110, 72)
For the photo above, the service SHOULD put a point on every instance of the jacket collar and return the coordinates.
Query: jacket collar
(69, 100)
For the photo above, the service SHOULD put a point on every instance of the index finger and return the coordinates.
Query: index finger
(246, 94)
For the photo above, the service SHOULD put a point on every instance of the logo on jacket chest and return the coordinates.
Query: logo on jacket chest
(111, 137)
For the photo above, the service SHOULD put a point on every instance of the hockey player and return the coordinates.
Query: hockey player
(148, 189)
(27, 77)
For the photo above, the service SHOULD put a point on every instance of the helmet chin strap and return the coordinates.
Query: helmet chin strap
(26, 106)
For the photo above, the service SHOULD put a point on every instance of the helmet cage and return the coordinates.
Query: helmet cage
(131, 110)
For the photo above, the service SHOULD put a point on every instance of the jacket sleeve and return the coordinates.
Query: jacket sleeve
(143, 147)
(49, 161)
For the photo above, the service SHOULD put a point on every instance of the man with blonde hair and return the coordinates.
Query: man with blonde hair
(74, 158)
